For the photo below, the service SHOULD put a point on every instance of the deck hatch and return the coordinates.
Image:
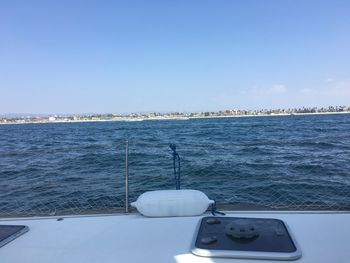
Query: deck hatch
(235, 237)
(11, 232)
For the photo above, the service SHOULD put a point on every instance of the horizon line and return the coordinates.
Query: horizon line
(171, 112)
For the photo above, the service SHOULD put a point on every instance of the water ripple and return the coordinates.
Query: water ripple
(291, 161)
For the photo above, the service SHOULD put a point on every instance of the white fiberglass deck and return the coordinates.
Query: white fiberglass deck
(133, 238)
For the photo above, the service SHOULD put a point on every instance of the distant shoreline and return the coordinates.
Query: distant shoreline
(136, 119)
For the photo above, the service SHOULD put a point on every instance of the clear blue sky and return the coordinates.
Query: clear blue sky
(137, 56)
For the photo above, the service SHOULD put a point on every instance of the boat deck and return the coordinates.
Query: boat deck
(322, 237)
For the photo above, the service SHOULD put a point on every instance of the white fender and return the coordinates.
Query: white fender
(164, 203)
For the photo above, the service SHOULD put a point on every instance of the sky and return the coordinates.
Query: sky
(165, 56)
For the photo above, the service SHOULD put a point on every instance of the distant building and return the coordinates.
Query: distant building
(52, 118)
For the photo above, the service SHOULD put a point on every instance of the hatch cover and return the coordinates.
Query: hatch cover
(236, 237)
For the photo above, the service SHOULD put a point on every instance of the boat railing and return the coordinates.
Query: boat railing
(238, 176)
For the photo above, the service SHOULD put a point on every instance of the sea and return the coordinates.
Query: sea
(271, 162)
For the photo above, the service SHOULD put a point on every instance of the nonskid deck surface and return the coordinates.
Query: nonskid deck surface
(322, 237)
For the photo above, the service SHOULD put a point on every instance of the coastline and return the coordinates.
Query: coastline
(135, 119)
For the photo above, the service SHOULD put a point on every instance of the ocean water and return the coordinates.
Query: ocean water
(279, 162)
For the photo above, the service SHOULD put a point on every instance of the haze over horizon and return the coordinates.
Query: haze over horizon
(166, 56)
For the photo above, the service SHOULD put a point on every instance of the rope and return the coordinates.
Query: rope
(214, 211)
(176, 165)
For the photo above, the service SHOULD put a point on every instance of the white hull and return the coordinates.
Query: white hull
(322, 237)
